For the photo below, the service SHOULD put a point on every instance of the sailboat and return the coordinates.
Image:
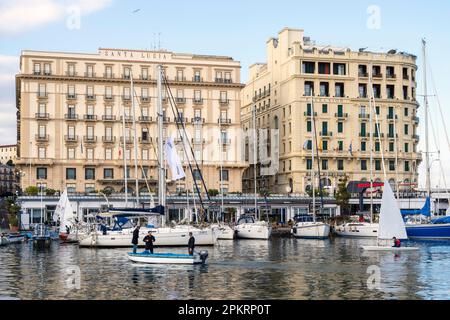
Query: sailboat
(307, 227)
(64, 213)
(391, 224)
(247, 226)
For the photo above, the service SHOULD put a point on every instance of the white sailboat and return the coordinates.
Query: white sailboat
(311, 228)
(391, 224)
(64, 213)
(247, 227)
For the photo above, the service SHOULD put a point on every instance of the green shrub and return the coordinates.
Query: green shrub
(32, 191)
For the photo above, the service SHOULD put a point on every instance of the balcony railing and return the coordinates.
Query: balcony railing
(128, 140)
(42, 137)
(377, 75)
(224, 102)
(416, 137)
(392, 136)
(90, 74)
(391, 76)
(309, 114)
(126, 97)
(144, 77)
(109, 98)
(71, 116)
(42, 95)
(145, 141)
(181, 119)
(145, 99)
(108, 75)
(90, 139)
(198, 100)
(326, 134)
(363, 75)
(91, 97)
(341, 115)
(198, 120)
(364, 116)
(71, 74)
(71, 96)
(108, 139)
(180, 100)
(90, 117)
(224, 121)
(224, 141)
(145, 119)
(197, 79)
(197, 141)
(127, 118)
(392, 117)
(180, 79)
(108, 118)
(42, 116)
(416, 119)
(71, 138)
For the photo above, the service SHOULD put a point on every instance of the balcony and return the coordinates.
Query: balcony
(144, 77)
(109, 118)
(71, 117)
(363, 75)
(127, 118)
(405, 77)
(198, 120)
(42, 138)
(180, 79)
(108, 75)
(392, 136)
(181, 120)
(416, 120)
(377, 75)
(224, 121)
(71, 138)
(145, 141)
(90, 74)
(224, 102)
(126, 97)
(416, 137)
(108, 139)
(71, 73)
(42, 95)
(198, 141)
(145, 99)
(364, 116)
(198, 101)
(42, 116)
(91, 97)
(363, 135)
(126, 76)
(145, 119)
(109, 98)
(90, 117)
(128, 140)
(378, 135)
(326, 134)
(309, 114)
(71, 96)
(391, 76)
(180, 100)
(391, 117)
(90, 139)
(166, 119)
(341, 115)
(197, 79)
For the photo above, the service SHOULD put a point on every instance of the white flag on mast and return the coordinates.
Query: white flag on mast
(173, 160)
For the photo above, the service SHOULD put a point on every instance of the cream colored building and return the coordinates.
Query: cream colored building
(8, 152)
(70, 109)
(299, 74)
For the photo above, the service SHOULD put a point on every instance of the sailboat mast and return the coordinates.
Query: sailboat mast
(396, 154)
(161, 171)
(136, 171)
(125, 158)
(313, 176)
(255, 141)
(425, 97)
(371, 140)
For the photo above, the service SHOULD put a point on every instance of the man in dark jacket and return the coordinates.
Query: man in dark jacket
(135, 239)
(191, 244)
(149, 239)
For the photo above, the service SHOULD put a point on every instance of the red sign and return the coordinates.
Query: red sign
(367, 185)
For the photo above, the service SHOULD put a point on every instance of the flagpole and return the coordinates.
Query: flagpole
(136, 172)
(125, 158)
(161, 171)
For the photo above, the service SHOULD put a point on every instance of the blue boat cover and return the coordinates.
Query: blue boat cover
(443, 220)
(162, 255)
(425, 211)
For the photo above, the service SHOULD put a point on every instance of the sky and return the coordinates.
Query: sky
(236, 28)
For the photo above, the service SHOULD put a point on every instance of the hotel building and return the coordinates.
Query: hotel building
(71, 109)
(8, 153)
(300, 76)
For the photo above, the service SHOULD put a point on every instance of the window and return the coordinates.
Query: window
(406, 147)
(144, 73)
(42, 131)
(42, 153)
(391, 165)
(341, 145)
(309, 88)
(108, 72)
(363, 165)
(197, 96)
(71, 188)
(47, 69)
(89, 71)
(223, 96)
(324, 164)
(362, 88)
(339, 69)
(228, 77)
(391, 147)
(126, 72)
(340, 165)
(108, 173)
(340, 126)
(406, 112)
(407, 166)
(108, 154)
(37, 69)
(89, 173)
(308, 164)
(377, 146)
(308, 67)
(362, 70)
(225, 175)
(377, 165)
(144, 172)
(41, 173)
(324, 108)
(71, 70)
(309, 126)
(324, 68)
(42, 90)
(126, 93)
(71, 174)
(197, 76)
(390, 91)
(325, 145)
(377, 91)
(406, 129)
(196, 174)
(71, 153)
(324, 89)
(339, 90)
(180, 75)
(90, 154)
(144, 154)
(89, 188)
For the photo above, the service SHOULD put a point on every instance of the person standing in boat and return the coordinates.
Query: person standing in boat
(149, 239)
(135, 239)
(191, 244)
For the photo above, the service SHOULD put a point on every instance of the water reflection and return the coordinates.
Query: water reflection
(283, 268)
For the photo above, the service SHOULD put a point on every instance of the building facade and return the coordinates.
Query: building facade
(9, 180)
(301, 79)
(8, 153)
(71, 109)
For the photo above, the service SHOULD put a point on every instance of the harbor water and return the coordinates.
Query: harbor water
(282, 268)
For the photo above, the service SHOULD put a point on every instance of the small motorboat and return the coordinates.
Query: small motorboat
(169, 258)
(3, 240)
(16, 237)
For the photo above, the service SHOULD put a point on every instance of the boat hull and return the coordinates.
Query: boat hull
(429, 231)
(167, 258)
(226, 233)
(253, 231)
(16, 238)
(165, 237)
(358, 230)
(311, 230)
(389, 249)
(3, 241)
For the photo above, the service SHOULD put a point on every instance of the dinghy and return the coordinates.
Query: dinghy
(169, 258)
(391, 224)
(3, 240)
(16, 238)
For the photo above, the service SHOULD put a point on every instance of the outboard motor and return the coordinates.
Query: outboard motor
(203, 255)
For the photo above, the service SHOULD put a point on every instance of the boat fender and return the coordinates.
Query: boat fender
(294, 230)
(203, 255)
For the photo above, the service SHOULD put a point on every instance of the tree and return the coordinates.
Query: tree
(213, 192)
(10, 163)
(32, 191)
(343, 197)
(50, 192)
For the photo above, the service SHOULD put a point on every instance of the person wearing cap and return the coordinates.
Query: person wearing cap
(149, 239)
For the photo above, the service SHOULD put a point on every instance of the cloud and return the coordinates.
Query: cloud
(19, 16)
